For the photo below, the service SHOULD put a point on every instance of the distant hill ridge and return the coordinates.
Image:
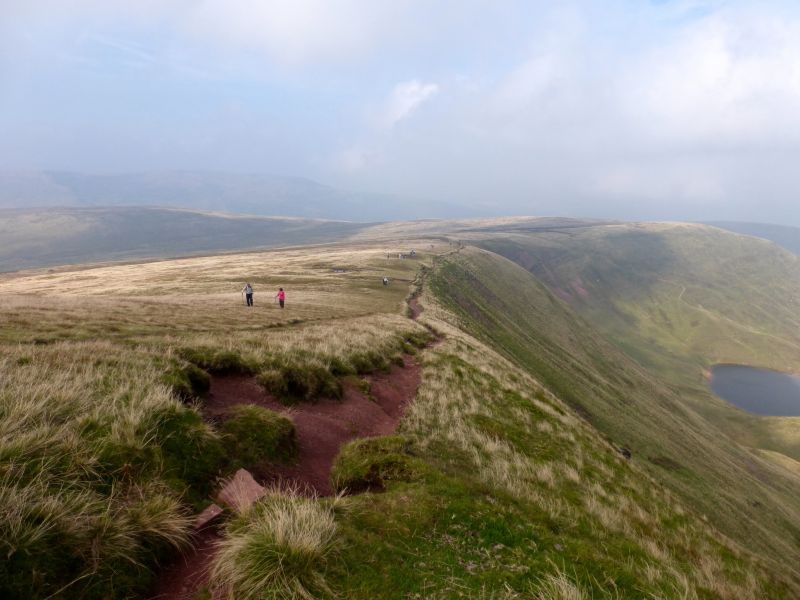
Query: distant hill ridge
(256, 194)
(783, 235)
(59, 236)
(44, 237)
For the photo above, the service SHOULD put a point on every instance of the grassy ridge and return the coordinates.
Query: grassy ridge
(674, 292)
(785, 236)
(750, 500)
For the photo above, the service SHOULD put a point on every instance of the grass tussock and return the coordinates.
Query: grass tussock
(308, 362)
(559, 586)
(253, 434)
(278, 549)
(371, 463)
(95, 453)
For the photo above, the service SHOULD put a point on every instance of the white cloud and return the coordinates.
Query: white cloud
(296, 32)
(733, 77)
(404, 99)
(644, 182)
(353, 159)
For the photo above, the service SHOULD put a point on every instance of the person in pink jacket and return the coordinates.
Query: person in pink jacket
(281, 296)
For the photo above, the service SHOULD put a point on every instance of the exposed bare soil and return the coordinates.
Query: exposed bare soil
(188, 574)
(325, 425)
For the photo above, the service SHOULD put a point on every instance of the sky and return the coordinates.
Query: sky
(633, 109)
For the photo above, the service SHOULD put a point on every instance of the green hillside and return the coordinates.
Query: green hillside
(680, 298)
(750, 499)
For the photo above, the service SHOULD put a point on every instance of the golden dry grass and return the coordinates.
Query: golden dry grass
(202, 295)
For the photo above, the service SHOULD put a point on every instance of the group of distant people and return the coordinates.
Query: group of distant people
(412, 254)
(247, 292)
(280, 297)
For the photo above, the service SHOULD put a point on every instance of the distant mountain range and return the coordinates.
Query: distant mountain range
(254, 194)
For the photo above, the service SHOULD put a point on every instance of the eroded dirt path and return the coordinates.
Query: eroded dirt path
(325, 425)
(187, 575)
(415, 307)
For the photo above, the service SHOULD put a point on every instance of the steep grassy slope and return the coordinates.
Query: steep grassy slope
(680, 298)
(685, 290)
(748, 498)
(505, 492)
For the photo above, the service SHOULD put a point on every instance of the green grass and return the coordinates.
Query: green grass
(371, 463)
(507, 307)
(537, 499)
(679, 299)
(94, 455)
(253, 434)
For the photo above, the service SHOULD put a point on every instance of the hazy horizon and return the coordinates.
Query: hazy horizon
(660, 110)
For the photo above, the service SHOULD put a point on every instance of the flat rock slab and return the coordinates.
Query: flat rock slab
(209, 514)
(241, 491)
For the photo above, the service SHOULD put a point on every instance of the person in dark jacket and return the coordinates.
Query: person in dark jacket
(247, 290)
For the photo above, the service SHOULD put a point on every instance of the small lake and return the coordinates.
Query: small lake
(758, 391)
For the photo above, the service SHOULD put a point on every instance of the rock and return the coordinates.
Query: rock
(209, 514)
(625, 452)
(241, 491)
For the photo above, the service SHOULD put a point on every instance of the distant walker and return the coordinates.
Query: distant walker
(281, 296)
(247, 290)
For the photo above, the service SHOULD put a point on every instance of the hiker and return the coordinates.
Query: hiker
(385, 281)
(247, 290)
(281, 296)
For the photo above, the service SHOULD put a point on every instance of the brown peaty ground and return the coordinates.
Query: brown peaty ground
(187, 575)
(325, 425)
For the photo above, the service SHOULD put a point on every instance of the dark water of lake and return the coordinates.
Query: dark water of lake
(759, 391)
